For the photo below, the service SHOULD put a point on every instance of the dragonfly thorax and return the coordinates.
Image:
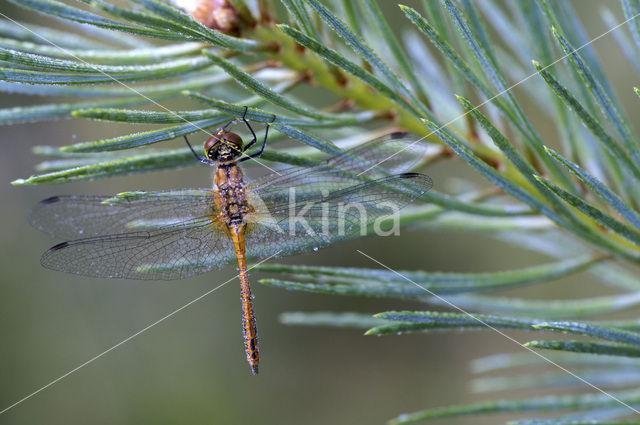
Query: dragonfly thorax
(224, 146)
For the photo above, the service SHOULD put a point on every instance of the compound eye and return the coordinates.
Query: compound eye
(234, 139)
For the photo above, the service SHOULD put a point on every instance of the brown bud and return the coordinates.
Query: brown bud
(216, 14)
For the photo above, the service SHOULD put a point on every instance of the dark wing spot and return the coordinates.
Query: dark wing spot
(398, 135)
(427, 183)
(409, 175)
(50, 200)
(59, 246)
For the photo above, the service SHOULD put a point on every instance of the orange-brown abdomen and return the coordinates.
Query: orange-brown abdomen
(233, 206)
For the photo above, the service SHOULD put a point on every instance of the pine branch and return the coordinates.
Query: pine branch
(575, 201)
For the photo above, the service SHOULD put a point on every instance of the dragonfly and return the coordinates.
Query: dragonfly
(180, 233)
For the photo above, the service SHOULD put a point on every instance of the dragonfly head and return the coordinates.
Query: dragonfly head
(223, 146)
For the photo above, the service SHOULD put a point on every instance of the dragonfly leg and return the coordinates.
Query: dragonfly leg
(198, 157)
(264, 141)
(253, 133)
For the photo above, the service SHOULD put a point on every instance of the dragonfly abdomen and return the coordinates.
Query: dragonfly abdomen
(229, 186)
(233, 206)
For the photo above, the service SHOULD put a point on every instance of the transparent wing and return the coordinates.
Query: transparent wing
(301, 223)
(79, 216)
(155, 235)
(391, 154)
(395, 153)
(175, 252)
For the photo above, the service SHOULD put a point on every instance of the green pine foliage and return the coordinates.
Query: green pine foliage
(576, 203)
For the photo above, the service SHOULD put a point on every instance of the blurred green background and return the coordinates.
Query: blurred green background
(191, 368)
